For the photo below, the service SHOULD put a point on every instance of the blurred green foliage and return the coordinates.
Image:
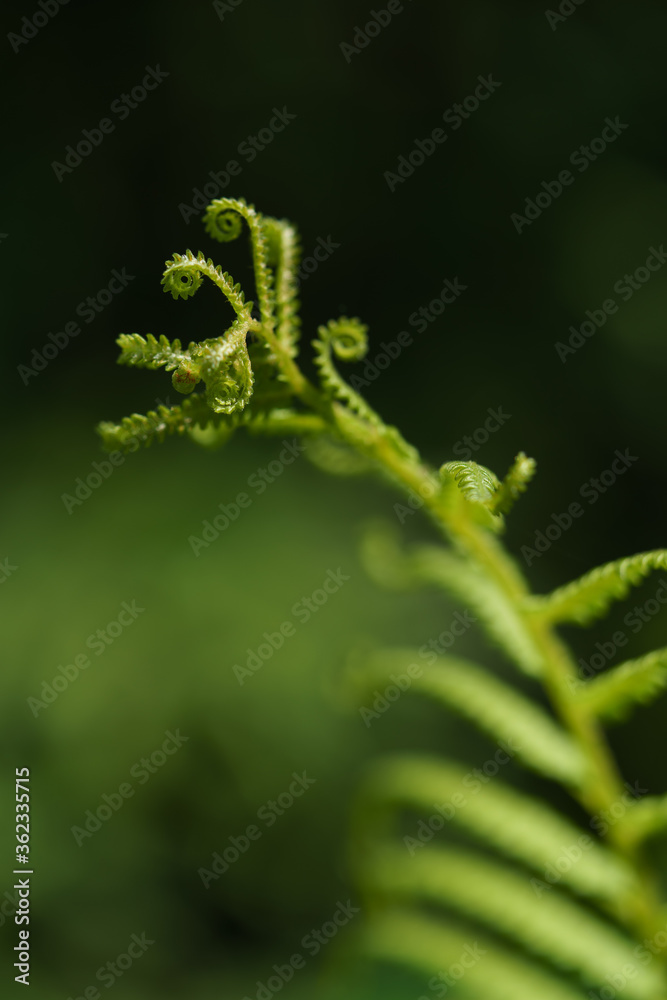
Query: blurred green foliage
(494, 346)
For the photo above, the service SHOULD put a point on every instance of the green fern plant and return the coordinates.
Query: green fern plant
(601, 927)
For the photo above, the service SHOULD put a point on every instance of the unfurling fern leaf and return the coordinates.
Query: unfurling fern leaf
(222, 222)
(478, 485)
(137, 430)
(348, 340)
(475, 482)
(538, 940)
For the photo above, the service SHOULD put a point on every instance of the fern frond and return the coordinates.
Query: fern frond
(490, 604)
(287, 289)
(194, 416)
(588, 598)
(553, 927)
(182, 277)
(268, 383)
(514, 484)
(150, 353)
(224, 224)
(614, 693)
(432, 946)
(220, 224)
(137, 430)
(260, 387)
(478, 485)
(222, 363)
(522, 827)
(489, 704)
(348, 340)
(383, 558)
(389, 565)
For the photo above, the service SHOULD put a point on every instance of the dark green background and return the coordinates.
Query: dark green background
(493, 348)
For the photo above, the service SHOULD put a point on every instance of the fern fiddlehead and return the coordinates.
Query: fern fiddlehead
(251, 380)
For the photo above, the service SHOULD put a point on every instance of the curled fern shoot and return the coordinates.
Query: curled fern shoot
(222, 222)
(348, 340)
(594, 919)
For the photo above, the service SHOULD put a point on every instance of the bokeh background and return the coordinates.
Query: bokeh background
(228, 69)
